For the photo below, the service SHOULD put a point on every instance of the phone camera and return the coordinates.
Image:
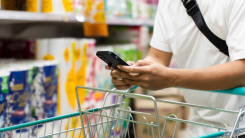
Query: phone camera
(116, 57)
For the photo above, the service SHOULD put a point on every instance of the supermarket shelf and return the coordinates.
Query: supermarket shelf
(130, 22)
(16, 24)
(19, 17)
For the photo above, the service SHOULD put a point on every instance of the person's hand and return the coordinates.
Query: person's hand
(117, 80)
(148, 75)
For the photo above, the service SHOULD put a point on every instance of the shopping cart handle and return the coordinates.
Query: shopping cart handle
(235, 91)
(218, 134)
(240, 91)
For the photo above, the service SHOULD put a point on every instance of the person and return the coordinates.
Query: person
(201, 65)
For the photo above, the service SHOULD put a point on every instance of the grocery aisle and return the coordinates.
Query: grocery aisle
(48, 47)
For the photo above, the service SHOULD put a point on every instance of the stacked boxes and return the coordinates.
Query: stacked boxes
(31, 92)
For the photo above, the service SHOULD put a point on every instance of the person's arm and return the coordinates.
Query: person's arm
(155, 55)
(158, 56)
(224, 76)
(154, 76)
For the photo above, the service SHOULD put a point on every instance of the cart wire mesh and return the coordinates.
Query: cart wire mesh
(118, 120)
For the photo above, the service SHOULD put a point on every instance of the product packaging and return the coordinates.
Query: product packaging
(143, 10)
(127, 52)
(42, 48)
(18, 99)
(57, 6)
(153, 8)
(51, 71)
(132, 11)
(78, 7)
(17, 5)
(63, 50)
(33, 5)
(4, 77)
(81, 64)
(112, 9)
(38, 91)
(20, 49)
(43, 98)
(94, 11)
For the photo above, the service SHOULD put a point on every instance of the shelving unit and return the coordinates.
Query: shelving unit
(19, 17)
(16, 24)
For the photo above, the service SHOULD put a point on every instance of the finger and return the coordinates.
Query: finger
(133, 82)
(143, 63)
(114, 74)
(123, 87)
(133, 69)
(118, 82)
(108, 67)
(127, 75)
(131, 63)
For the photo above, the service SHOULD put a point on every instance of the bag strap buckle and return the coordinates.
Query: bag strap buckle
(191, 7)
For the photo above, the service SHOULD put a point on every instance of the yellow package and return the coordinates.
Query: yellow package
(9, 5)
(94, 11)
(33, 5)
(57, 6)
(81, 60)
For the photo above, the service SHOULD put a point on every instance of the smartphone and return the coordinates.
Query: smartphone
(111, 59)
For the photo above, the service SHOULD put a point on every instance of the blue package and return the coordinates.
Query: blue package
(18, 99)
(44, 92)
(38, 99)
(50, 88)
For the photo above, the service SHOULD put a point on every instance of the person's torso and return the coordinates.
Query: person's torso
(193, 50)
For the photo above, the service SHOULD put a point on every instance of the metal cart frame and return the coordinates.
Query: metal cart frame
(105, 121)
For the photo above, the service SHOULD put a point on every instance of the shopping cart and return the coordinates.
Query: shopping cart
(118, 120)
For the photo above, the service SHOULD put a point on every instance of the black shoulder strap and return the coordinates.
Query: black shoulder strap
(194, 11)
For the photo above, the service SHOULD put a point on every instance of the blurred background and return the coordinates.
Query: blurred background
(47, 48)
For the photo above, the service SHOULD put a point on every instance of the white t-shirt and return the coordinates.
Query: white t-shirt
(176, 32)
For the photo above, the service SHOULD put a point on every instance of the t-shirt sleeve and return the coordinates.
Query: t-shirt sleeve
(236, 29)
(159, 39)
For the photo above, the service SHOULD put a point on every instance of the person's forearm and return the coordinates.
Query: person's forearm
(225, 76)
(165, 61)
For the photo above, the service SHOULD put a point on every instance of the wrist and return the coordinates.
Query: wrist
(175, 77)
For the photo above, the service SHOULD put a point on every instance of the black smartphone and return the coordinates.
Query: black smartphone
(111, 59)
